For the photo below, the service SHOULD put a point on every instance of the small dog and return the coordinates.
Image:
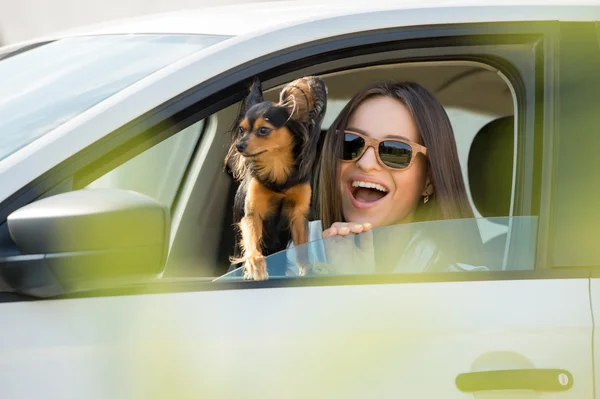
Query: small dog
(273, 152)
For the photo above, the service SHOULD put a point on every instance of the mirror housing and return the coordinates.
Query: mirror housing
(86, 238)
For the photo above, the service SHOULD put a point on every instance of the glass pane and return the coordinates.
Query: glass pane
(44, 87)
(428, 247)
(158, 171)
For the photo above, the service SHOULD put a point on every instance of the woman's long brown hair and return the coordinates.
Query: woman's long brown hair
(449, 200)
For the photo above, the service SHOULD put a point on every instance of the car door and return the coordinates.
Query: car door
(522, 331)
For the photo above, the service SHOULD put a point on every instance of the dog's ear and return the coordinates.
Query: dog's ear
(314, 90)
(319, 100)
(296, 97)
(234, 163)
(255, 96)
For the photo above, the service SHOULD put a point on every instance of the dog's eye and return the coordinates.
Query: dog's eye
(241, 130)
(263, 131)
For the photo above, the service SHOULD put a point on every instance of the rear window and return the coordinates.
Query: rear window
(45, 86)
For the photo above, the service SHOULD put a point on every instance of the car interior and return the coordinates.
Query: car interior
(187, 172)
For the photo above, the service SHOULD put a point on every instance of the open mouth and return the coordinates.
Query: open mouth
(254, 155)
(367, 193)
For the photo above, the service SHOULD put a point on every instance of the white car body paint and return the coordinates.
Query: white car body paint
(17, 170)
(383, 341)
(386, 341)
(595, 303)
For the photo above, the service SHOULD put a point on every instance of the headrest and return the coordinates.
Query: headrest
(490, 167)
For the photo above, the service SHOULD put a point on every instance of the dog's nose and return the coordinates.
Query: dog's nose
(241, 146)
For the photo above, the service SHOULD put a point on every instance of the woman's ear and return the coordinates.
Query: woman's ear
(428, 189)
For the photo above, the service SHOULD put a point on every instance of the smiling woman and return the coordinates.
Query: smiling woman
(394, 162)
(423, 184)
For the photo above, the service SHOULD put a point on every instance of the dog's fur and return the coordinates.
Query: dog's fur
(273, 152)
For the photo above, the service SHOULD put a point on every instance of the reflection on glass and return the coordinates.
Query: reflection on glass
(44, 87)
(427, 247)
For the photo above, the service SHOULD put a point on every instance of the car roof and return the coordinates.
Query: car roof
(240, 19)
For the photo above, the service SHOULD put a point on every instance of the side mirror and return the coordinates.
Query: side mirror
(86, 239)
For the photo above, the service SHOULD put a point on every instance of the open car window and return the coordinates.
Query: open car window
(426, 247)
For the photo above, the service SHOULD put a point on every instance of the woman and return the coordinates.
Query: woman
(390, 159)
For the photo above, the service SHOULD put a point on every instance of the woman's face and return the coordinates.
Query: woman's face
(381, 117)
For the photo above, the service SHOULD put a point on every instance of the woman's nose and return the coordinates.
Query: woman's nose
(368, 161)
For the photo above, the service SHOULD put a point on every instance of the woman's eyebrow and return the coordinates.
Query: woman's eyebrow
(396, 136)
(357, 130)
(388, 136)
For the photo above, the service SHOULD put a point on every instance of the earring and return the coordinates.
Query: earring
(426, 198)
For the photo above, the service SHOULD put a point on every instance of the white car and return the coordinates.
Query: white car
(115, 208)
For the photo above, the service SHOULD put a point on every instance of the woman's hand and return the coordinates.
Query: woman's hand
(349, 253)
(343, 229)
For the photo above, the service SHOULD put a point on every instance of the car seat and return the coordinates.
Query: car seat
(490, 171)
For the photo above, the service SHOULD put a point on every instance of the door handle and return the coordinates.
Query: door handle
(549, 380)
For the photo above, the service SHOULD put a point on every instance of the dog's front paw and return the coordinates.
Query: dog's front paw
(304, 270)
(255, 268)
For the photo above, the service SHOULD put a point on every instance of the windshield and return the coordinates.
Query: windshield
(459, 245)
(46, 86)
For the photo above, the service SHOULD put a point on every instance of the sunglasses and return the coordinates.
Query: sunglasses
(393, 153)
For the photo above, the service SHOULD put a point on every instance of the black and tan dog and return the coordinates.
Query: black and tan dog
(273, 153)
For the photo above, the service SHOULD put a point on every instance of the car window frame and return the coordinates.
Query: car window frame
(203, 100)
(572, 189)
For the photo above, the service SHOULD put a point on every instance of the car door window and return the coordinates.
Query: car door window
(481, 110)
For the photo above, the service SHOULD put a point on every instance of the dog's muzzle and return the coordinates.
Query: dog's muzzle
(241, 146)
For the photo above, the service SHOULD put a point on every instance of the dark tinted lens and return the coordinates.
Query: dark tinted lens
(353, 145)
(395, 154)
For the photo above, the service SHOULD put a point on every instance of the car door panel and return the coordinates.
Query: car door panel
(379, 340)
(595, 303)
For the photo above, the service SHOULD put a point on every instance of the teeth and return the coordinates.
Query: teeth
(365, 184)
